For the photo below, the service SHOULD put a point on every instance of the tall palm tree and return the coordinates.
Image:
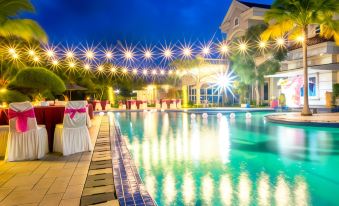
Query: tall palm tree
(293, 17)
(12, 25)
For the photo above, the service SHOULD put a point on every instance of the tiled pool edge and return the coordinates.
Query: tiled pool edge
(129, 187)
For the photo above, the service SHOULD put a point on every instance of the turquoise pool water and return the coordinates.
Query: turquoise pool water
(224, 162)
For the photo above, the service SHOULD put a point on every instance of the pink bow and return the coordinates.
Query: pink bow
(72, 112)
(22, 117)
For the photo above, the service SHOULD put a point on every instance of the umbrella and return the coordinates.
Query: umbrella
(74, 87)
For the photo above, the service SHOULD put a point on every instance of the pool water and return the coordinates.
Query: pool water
(232, 162)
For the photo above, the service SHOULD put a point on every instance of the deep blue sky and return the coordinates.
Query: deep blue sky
(146, 21)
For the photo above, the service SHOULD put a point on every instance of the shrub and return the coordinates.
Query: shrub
(12, 96)
(38, 80)
(336, 90)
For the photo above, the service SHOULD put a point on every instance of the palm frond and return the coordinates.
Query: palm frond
(25, 28)
(277, 30)
(11, 8)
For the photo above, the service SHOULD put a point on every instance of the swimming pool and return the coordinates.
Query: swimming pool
(232, 162)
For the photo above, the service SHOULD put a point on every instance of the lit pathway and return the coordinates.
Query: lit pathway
(55, 180)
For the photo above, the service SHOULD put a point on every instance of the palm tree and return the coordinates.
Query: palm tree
(293, 17)
(11, 25)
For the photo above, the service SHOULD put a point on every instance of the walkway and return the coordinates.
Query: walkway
(321, 119)
(54, 180)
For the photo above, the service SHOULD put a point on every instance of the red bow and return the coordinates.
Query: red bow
(72, 112)
(22, 117)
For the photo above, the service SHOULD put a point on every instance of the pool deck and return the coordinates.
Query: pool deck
(54, 180)
(321, 119)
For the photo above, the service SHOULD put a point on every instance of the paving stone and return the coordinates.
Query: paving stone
(95, 199)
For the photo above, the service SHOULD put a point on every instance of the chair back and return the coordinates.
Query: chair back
(75, 114)
(28, 120)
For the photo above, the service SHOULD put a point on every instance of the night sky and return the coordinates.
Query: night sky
(132, 21)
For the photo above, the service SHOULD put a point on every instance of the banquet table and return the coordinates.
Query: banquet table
(49, 116)
(102, 102)
(137, 102)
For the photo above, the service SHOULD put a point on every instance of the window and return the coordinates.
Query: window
(236, 22)
(317, 30)
(312, 87)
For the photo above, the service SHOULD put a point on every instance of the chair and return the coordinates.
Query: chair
(98, 106)
(157, 105)
(134, 106)
(164, 105)
(179, 104)
(173, 105)
(108, 107)
(73, 136)
(4, 131)
(26, 140)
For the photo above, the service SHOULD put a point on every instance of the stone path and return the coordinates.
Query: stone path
(54, 180)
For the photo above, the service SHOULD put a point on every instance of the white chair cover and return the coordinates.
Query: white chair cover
(179, 104)
(134, 106)
(60, 103)
(88, 118)
(4, 131)
(108, 107)
(157, 105)
(29, 145)
(164, 105)
(124, 106)
(98, 106)
(174, 104)
(143, 105)
(73, 136)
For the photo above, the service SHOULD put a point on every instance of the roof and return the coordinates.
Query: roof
(74, 87)
(250, 4)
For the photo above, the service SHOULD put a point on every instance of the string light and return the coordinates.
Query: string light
(242, 47)
(100, 68)
(262, 44)
(135, 71)
(55, 62)
(223, 49)
(300, 38)
(89, 54)
(87, 67)
(11, 51)
(50, 53)
(186, 51)
(70, 54)
(31, 52)
(71, 64)
(162, 72)
(36, 59)
(108, 55)
(124, 70)
(154, 72)
(144, 72)
(113, 69)
(280, 41)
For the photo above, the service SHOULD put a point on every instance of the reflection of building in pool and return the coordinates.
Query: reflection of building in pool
(323, 58)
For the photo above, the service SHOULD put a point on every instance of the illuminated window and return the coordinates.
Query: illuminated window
(236, 22)
(312, 87)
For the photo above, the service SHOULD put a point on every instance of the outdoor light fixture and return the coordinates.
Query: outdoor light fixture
(206, 50)
(55, 62)
(167, 53)
(89, 54)
(31, 52)
(87, 67)
(262, 44)
(128, 55)
(144, 72)
(50, 53)
(187, 52)
(223, 83)
(109, 55)
(154, 72)
(300, 38)
(223, 49)
(71, 64)
(124, 70)
(113, 69)
(148, 54)
(70, 54)
(280, 41)
(242, 47)
(135, 71)
(100, 68)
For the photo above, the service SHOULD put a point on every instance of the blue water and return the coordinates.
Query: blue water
(239, 162)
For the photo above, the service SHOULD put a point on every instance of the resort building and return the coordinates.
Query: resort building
(323, 58)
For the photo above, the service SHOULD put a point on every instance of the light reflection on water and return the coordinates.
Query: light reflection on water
(227, 162)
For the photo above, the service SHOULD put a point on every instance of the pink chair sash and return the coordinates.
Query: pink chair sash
(72, 112)
(22, 117)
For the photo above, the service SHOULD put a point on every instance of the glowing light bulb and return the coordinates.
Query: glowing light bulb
(170, 72)
(206, 50)
(113, 69)
(31, 52)
(124, 70)
(71, 64)
(262, 44)
(128, 55)
(89, 54)
(148, 54)
(55, 62)
(70, 54)
(15, 56)
(144, 72)
(100, 68)
(187, 52)
(223, 49)
(154, 72)
(300, 38)
(36, 59)
(242, 47)
(109, 55)
(50, 53)
(168, 53)
(87, 67)
(135, 71)
(162, 72)
(11, 51)
(280, 41)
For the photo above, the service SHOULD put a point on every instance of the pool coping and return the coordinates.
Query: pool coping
(130, 189)
(271, 118)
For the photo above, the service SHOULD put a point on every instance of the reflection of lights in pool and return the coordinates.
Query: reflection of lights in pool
(225, 189)
(264, 190)
(244, 189)
(169, 188)
(150, 183)
(207, 188)
(282, 192)
(301, 192)
(188, 189)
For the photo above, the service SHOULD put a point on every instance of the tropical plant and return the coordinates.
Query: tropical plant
(255, 61)
(293, 17)
(12, 25)
(36, 81)
(7, 95)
